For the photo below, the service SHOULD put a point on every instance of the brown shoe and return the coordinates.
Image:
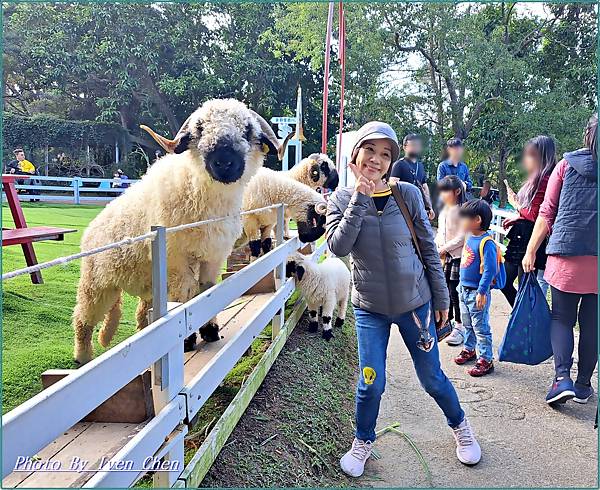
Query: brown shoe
(465, 356)
(481, 368)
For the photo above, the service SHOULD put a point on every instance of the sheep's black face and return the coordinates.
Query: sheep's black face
(333, 179)
(224, 162)
(294, 270)
(322, 169)
(313, 228)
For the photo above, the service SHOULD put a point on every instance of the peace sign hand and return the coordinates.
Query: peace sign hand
(362, 184)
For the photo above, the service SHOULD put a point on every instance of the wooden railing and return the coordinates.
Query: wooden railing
(36, 423)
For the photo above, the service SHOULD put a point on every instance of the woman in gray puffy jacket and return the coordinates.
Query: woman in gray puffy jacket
(391, 285)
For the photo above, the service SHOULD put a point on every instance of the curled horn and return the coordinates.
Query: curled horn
(178, 144)
(269, 138)
(321, 208)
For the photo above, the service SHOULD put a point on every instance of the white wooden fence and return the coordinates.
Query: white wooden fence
(498, 231)
(40, 420)
(76, 190)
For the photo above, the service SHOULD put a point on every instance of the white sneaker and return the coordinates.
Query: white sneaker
(457, 336)
(467, 447)
(353, 462)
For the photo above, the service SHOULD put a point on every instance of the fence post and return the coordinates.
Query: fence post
(279, 318)
(76, 184)
(167, 372)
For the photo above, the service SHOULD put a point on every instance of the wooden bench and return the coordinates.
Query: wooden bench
(20, 236)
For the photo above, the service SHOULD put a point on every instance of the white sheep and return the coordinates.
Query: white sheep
(303, 204)
(316, 171)
(324, 286)
(208, 164)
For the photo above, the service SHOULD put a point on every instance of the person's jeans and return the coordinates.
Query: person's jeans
(373, 332)
(542, 282)
(476, 322)
(567, 309)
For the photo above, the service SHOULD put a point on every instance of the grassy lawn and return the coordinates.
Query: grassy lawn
(36, 319)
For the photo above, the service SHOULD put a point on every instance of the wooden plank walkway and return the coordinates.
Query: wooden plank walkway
(94, 440)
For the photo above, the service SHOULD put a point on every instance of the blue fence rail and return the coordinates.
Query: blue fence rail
(74, 190)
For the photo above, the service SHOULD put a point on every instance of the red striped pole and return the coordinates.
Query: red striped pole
(326, 78)
(342, 41)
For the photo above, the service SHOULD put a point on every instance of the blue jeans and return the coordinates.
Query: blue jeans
(373, 332)
(543, 284)
(477, 323)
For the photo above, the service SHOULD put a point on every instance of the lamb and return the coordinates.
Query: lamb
(324, 286)
(316, 170)
(303, 204)
(207, 166)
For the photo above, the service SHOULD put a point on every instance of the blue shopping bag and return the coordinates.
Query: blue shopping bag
(527, 336)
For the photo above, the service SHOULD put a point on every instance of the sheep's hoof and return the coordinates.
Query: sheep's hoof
(339, 322)
(313, 327)
(328, 334)
(210, 332)
(190, 343)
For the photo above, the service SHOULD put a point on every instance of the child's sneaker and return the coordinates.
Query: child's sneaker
(457, 336)
(582, 393)
(562, 390)
(467, 447)
(465, 356)
(353, 462)
(481, 368)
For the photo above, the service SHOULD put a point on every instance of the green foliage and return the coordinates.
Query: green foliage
(45, 129)
(491, 73)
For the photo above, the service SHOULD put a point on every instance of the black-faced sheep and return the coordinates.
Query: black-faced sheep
(303, 204)
(208, 165)
(316, 171)
(324, 286)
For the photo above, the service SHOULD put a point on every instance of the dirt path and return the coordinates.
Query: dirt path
(525, 443)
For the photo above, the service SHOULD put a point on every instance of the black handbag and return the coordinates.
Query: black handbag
(442, 330)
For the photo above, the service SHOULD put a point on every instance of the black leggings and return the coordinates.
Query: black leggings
(512, 272)
(565, 314)
(454, 312)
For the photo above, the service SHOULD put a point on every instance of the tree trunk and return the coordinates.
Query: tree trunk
(162, 104)
(502, 158)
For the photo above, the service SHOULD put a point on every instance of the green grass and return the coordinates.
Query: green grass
(36, 319)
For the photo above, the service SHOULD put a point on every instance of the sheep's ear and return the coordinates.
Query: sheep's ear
(268, 138)
(299, 272)
(179, 144)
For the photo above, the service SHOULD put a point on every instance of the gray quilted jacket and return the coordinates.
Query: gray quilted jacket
(387, 275)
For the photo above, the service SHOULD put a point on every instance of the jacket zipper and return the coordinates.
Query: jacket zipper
(385, 269)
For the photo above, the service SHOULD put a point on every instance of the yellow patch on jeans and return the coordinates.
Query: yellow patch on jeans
(369, 375)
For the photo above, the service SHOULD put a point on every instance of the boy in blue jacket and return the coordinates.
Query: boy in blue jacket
(475, 284)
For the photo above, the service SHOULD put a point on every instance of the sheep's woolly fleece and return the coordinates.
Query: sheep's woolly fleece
(270, 187)
(177, 189)
(302, 172)
(325, 286)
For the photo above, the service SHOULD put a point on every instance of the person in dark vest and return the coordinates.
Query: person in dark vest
(410, 169)
(569, 214)
(539, 160)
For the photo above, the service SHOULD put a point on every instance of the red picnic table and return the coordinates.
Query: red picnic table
(21, 234)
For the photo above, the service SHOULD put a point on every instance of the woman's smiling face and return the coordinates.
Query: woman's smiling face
(374, 158)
